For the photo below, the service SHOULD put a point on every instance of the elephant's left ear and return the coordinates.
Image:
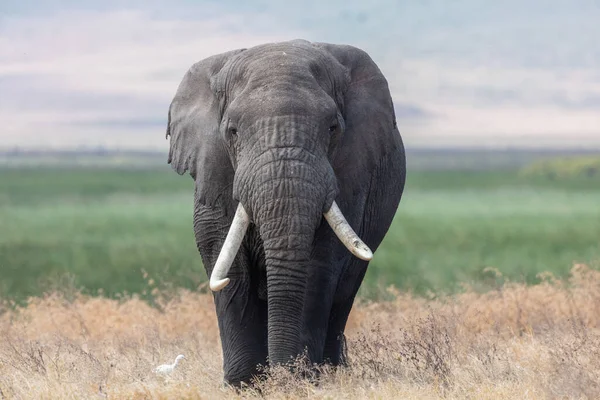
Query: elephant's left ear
(193, 126)
(367, 108)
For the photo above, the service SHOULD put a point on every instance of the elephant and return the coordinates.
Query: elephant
(298, 169)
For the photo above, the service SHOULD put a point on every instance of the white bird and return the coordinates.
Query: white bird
(168, 368)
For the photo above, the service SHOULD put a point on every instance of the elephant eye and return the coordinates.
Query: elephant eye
(233, 131)
(332, 128)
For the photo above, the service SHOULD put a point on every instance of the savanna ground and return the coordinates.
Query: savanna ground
(487, 286)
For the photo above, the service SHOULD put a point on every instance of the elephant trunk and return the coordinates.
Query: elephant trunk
(287, 219)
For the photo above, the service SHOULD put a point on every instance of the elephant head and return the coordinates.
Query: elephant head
(259, 130)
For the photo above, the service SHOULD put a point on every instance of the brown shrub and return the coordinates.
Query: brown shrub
(519, 341)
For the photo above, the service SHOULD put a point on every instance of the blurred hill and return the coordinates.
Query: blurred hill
(421, 158)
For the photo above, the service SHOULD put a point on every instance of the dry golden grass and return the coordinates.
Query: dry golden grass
(516, 342)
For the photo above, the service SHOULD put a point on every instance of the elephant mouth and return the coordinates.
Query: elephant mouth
(240, 223)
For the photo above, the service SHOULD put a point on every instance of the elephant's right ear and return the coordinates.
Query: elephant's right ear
(193, 126)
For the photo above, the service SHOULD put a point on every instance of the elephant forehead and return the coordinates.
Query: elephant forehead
(282, 124)
(275, 69)
(285, 131)
(297, 63)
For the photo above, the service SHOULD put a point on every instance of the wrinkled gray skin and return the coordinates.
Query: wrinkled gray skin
(286, 129)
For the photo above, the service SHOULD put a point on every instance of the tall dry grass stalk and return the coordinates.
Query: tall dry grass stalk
(517, 342)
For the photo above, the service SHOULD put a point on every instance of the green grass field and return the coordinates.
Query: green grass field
(99, 228)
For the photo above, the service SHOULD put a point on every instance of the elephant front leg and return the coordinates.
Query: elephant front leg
(241, 312)
(242, 321)
(324, 275)
(335, 348)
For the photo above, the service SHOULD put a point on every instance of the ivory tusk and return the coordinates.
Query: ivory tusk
(233, 241)
(346, 234)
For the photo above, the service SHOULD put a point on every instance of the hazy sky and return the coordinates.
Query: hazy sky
(86, 73)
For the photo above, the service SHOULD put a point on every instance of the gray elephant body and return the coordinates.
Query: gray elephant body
(286, 129)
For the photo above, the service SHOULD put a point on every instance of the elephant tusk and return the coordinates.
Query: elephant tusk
(239, 225)
(346, 234)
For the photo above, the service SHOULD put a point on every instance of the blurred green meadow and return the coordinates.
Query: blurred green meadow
(126, 227)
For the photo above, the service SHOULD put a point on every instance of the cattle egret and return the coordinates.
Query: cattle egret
(168, 368)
